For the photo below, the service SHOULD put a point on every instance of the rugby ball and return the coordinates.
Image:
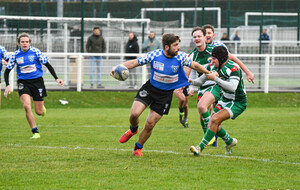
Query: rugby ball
(121, 72)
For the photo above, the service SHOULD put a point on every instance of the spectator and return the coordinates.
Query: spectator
(264, 37)
(237, 38)
(95, 44)
(75, 37)
(150, 44)
(225, 38)
(132, 46)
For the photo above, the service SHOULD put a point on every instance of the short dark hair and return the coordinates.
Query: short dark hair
(199, 28)
(210, 27)
(168, 39)
(96, 27)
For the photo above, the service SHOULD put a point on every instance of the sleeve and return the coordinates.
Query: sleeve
(200, 80)
(11, 62)
(103, 45)
(6, 74)
(186, 60)
(147, 58)
(42, 59)
(5, 56)
(88, 44)
(51, 70)
(230, 85)
(144, 45)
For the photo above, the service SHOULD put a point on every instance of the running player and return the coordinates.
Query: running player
(167, 74)
(29, 61)
(232, 103)
(3, 58)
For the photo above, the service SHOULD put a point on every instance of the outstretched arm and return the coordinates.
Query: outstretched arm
(53, 73)
(128, 64)
(249, 74)
(196, 66)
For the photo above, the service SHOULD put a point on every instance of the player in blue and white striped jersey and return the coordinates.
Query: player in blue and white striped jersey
(167, 74)
(3, 58)
(29, 61)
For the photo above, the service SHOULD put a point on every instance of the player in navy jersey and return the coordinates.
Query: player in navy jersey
(3, 58)
(167, 74)
(29, 61)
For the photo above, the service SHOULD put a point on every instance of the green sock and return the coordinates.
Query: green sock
(205, 118)
(203, 127)
(206, 139)
(225, 136)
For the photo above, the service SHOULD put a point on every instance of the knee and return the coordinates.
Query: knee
(134, 116)
(27, 107)
(202, 108)
(215, 120)
(39, 112)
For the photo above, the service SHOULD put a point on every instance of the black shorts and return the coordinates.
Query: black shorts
(33, 87)
(159, 100)
(186, 91)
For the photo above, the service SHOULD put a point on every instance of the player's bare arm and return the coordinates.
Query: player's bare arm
(128, 64)
(249, 74)
(196, 66)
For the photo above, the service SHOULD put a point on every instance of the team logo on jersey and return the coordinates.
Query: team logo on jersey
(235, 68)
(20, 86)
(175, 68)
(143, 93)
(41, 91)
(219, 107)
(157, 65)
(31, 58)
(20, 60)
(209, 60)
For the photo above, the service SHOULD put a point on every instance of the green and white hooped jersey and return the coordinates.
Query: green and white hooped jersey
(204, 59)
(231, 70)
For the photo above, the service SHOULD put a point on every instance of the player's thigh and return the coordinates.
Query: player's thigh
(26, 100)
(221, 116)
(137, 108)
(206, 100)
(153, 118)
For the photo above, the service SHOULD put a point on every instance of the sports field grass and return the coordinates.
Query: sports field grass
(79, 146)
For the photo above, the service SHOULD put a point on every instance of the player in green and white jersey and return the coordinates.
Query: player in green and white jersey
(209, 92)
(232, 103)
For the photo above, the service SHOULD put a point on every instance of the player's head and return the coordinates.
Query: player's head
(96, 30)
(210, 33)
(199, 38)
(170, 44)
(219, 56)
(24, 41)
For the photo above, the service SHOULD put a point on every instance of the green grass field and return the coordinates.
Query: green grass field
(79, 146)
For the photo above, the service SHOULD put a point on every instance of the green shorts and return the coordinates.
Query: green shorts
(214, 89)
(235, 108)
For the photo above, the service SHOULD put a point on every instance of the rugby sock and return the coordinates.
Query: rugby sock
(225, 136)
(206, 139)
(35, 130)
(203, 126)
(181, 110)
(138, 146)
(205, 118)
(133, 129)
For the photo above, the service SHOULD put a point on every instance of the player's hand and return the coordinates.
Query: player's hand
(250, 77)
(190, 81)
(112, 72)
(4, 62)
(7, 91)
(60, 82)
(212, 75)
(191, 92)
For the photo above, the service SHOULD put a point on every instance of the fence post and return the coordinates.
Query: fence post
(79, 73)
(267, 74)
(66, 51)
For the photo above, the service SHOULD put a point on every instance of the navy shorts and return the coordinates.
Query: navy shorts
(33, 87)
(159, 100)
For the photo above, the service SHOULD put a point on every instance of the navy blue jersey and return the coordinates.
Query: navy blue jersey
(167, 73)
(3, 55)
(29, 63)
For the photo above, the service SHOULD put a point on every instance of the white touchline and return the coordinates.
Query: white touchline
(157, 151)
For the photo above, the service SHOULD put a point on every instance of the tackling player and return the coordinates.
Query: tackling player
(29, 61)
(167, 74)
(232, 103)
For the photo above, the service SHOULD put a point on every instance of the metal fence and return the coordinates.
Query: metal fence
(75, 70)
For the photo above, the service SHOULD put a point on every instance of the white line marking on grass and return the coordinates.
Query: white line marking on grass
(158, 151)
